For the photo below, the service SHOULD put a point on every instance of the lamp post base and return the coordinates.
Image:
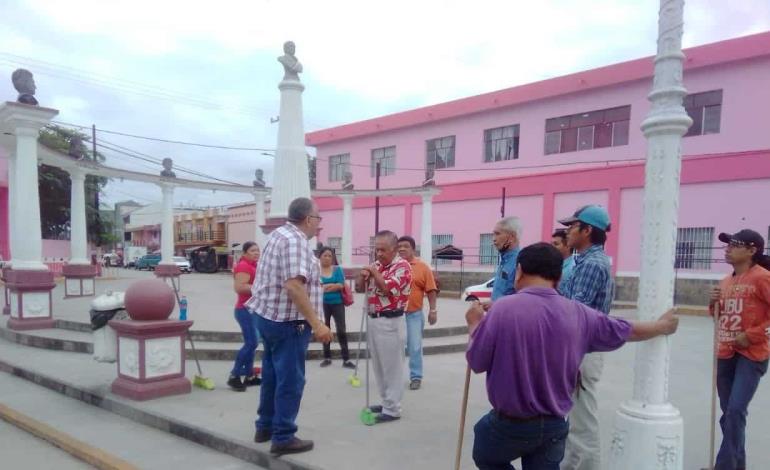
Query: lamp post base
(641, 431)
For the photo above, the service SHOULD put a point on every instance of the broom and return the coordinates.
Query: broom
(199, 380)
(353, 379)
(367, 416)
(714, 386)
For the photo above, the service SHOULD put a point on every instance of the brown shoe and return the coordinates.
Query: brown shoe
(294, 446)
(262, 435)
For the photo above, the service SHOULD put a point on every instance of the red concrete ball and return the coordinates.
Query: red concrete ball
(150, 299)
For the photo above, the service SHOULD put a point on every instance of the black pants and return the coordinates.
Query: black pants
(338, 312)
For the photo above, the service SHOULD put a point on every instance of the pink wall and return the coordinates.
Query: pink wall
(726, 206)
(740, 130)
(5, 250)
(55, 250)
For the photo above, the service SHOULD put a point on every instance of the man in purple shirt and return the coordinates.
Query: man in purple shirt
(531, 344)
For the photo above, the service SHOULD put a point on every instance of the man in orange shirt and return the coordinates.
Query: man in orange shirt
(423, 284)
(744, 314)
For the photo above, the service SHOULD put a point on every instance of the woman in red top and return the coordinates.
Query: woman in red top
(744, 315)
(242, 374)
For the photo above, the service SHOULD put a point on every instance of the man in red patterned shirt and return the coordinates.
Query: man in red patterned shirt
(389, 280)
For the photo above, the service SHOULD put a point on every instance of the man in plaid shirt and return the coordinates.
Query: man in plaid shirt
(286, 299)
(591, 284)
(390, 280)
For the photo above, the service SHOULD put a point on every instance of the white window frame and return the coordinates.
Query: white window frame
(694, 247)
(338, 166)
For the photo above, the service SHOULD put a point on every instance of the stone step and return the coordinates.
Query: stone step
(237, 337)
(82, 342)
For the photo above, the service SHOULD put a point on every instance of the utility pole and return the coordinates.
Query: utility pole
(502, 205)
(377, 199)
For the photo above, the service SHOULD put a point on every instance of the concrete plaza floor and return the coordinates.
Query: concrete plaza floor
(425, 438)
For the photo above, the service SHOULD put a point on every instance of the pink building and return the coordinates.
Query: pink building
(558, 144)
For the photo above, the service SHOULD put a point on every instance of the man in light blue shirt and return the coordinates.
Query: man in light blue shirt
(559, 241)
(506, 236)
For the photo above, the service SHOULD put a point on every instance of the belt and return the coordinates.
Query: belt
(516, 419)
(387, 314)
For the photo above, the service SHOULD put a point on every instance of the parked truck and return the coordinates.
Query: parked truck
(133, 253)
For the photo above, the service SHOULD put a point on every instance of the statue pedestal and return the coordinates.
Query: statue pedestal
(30, 299)
(79, 280)
(151, 359)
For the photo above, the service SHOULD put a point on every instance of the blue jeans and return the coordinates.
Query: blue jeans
(415, 323)
(283, 376)
(244, 361)
(499, 441)
(737, 380)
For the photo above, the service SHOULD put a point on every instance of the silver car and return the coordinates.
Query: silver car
(182, 263)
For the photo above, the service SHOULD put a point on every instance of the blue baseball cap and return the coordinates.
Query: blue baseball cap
(593, 215)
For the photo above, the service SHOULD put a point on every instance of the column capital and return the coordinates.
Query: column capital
(166, 187)
(346, 196)
(76, 173)
(260, 195)
(17, 116)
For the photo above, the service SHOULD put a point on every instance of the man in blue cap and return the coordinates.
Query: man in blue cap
(591, 284)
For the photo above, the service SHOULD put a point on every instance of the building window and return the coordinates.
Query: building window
(338, 166)
(487, 251)
(705, 109)
(438, 241)
(501, 143)
(585, 131)
(126, 236)
(693, 247)
(386, 156)
(441, 153)
(335, 243)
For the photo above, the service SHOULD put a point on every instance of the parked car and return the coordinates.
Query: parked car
(478, 292)
(148, 261)
(183, 264)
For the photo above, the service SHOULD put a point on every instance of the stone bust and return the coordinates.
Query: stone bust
(168, 165)
(24, 83)
(347, 184)
(291, 66)
(259, 181)
(430, 179)
(76, 150)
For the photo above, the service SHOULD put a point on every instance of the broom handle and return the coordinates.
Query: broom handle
(714, 384)
(463, 411)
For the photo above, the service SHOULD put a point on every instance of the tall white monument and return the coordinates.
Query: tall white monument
(648, 430)
(290, 175)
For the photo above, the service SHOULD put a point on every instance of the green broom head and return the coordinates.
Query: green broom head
(203, 382)
(367, 417)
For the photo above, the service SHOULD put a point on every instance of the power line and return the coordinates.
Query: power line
(168, 141)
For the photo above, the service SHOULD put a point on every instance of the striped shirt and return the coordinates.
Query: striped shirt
(591, 282)
(287, 255)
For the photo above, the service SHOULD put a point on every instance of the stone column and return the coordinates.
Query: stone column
(167, 268)
(29, 281)
(11, 232)
(426, 228)
(290, 174)
(347, 230)
(648, 430)
(259, 218)
(79, 273)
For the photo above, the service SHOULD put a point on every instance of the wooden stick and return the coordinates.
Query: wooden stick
(463, 412)
(714, 385)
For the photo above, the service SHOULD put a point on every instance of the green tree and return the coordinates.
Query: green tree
(54, 185)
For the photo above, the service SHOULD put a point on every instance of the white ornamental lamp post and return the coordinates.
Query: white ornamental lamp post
(648, 430)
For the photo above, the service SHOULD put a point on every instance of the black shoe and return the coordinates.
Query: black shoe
(326, 363)
(251, 381)
(383, 418)
(415, 384)
(262, 435)
(236, 384)
(375, 408)
(294, 446)
(348, 365)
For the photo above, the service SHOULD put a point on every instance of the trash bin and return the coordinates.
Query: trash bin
(104, 308)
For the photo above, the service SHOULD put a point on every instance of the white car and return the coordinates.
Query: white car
(480, 292)
(183, 264)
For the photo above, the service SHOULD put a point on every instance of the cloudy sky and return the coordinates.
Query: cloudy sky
(206, 72)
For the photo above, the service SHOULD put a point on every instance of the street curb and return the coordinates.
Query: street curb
(78, 449)
(235, 448)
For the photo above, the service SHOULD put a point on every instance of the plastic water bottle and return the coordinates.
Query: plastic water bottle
(183, 308)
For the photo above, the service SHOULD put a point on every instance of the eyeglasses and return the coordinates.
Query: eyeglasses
(739, 244)
(316, 217)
